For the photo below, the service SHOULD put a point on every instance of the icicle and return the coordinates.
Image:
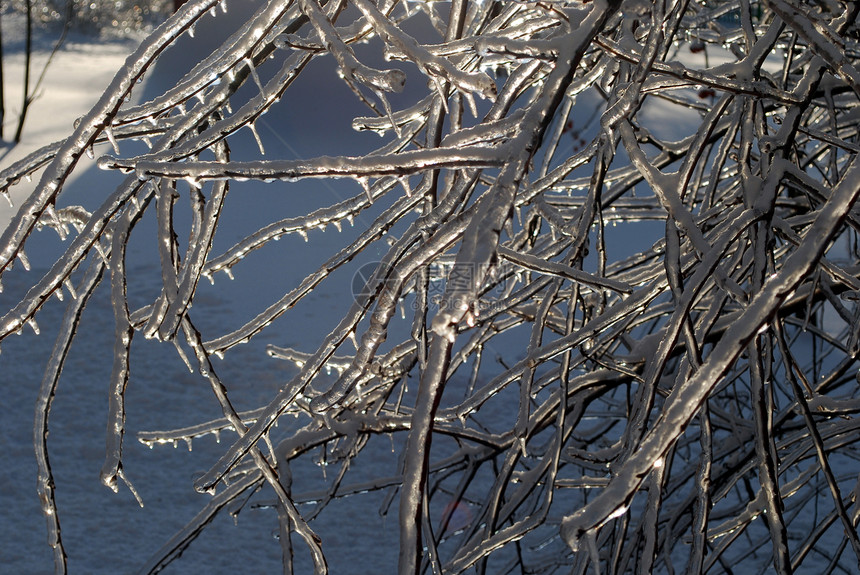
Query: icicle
(24, 261)
(112, 139)
(441, 92)
(353, 339)
(33, 325)
(337, 225)
(257, 137)
(128, 484)
(8, 197)
(1, 287)
(365, 185)
(182, 355)
(387, 106)
(351, 219)
(223, 5)
(191, 31)
(404, 182)
(470, 99)
(89, 151)
(58, 293)
(67, 283)
(28, 177)
(219, 354)
(254, 75)
(51, 214)
(102, 253)
(229, 273)
(304, 234)
(146, 141)
(188, 443)
(217, 434)
(61, 229)
(213, 12)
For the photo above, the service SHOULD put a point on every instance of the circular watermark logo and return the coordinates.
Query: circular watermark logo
(365, 281)
(370, 278)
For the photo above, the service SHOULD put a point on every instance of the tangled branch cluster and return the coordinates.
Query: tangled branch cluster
(676, 408)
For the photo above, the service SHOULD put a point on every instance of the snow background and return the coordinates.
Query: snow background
(108, 533)
(105, 532)
(73, 82)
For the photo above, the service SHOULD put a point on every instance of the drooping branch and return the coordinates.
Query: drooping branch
(605, 270)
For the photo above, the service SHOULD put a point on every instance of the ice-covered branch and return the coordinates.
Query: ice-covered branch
(402, 164)
(612, 298)
(682, 404)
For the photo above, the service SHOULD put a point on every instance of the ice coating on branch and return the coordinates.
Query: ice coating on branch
(350, 67)
(517, 357)
(404, 163)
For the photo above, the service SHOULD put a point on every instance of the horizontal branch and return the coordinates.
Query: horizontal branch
(373, 166)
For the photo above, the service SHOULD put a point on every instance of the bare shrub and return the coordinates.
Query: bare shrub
(612, 326)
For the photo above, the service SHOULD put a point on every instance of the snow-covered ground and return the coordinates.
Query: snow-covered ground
(109, 533)
(73, 82)
(106, 532)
